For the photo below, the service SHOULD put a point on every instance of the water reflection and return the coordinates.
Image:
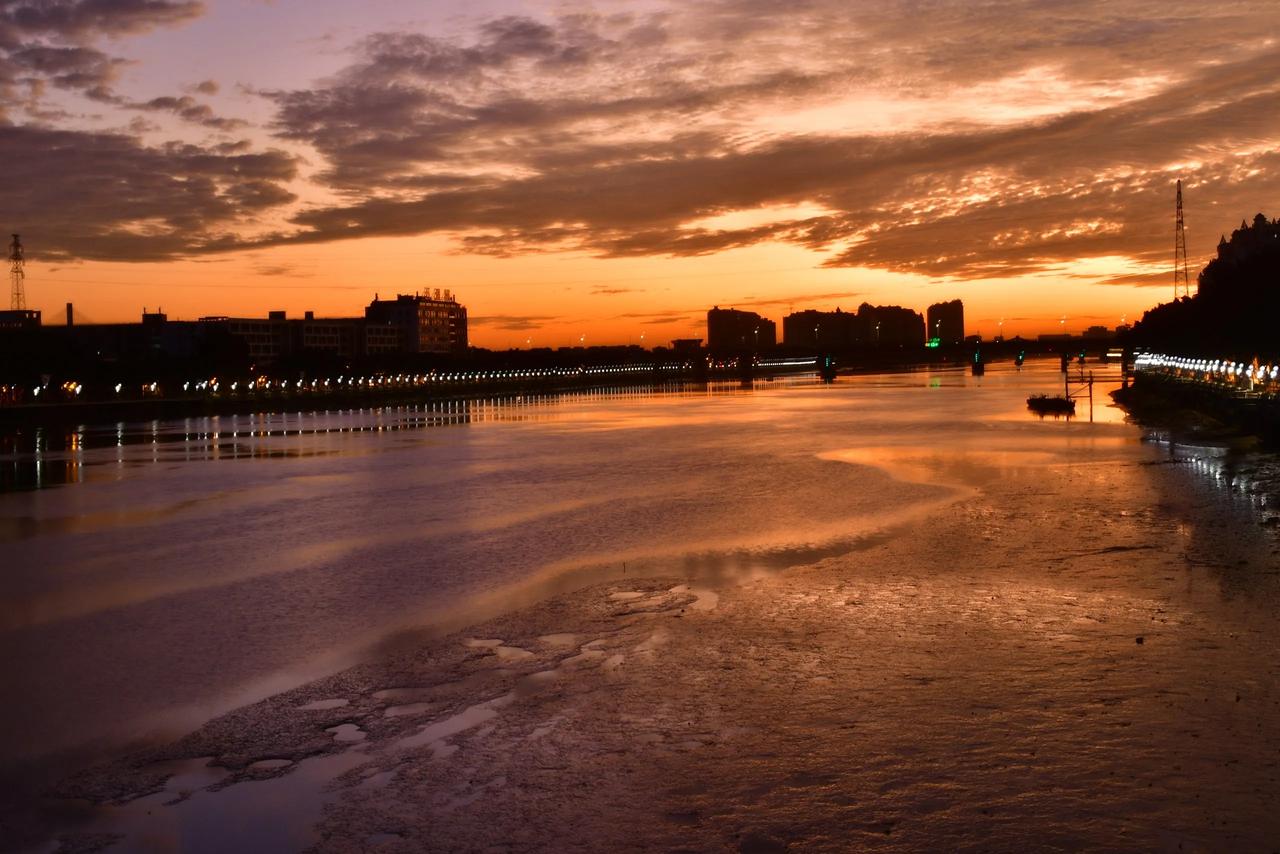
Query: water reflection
(41, 457)
(1244, 477)
(165, 585)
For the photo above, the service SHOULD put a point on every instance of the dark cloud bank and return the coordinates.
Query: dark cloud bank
(106, 195)
(623, 134)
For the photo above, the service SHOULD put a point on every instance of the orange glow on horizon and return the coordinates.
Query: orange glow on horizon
(554, 300)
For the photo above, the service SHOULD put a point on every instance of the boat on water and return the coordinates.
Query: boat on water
(1043, 405)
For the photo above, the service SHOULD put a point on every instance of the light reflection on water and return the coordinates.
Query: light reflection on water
(164, 583)
(43, 457)
(1245, 477)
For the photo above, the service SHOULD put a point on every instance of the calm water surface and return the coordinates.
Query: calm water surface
(177, 570)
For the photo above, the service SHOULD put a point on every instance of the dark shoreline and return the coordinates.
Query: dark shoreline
(98, 413)
(1198, 413)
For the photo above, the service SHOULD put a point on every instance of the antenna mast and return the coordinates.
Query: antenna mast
(18, 296)
(1181, 284)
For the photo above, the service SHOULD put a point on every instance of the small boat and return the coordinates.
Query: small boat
(1043, 405)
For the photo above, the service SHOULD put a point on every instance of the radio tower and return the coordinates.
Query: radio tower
(1181, 285)
(18, 296)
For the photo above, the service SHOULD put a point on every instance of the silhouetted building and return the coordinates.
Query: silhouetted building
(733, 331)
(268, 339)
(265, 339)
(945, 322)
(427, 324)
(414, 323)
(687, 346)
(881, 326)
(829, 331)
(406, 325)
(19, 318)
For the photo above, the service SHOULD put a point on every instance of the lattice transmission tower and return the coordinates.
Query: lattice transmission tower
(1181, 284)
(17, 293)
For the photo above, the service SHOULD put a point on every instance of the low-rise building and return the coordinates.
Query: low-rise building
(427, 324)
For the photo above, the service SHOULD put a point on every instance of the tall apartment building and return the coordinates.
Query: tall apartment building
(945, 322)
(733, 331)
(880, 326)
(829, 331)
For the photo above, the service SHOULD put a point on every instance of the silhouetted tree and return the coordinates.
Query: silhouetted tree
(1236, 310)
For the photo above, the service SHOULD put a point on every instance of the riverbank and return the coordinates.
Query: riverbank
(1195, 412)
(383, 390)
(1067, 656)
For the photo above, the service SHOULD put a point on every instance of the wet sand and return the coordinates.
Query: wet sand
(1077, 652)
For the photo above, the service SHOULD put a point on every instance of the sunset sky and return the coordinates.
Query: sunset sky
(613, 169)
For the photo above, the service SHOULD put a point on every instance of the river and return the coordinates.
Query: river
(160, 574)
